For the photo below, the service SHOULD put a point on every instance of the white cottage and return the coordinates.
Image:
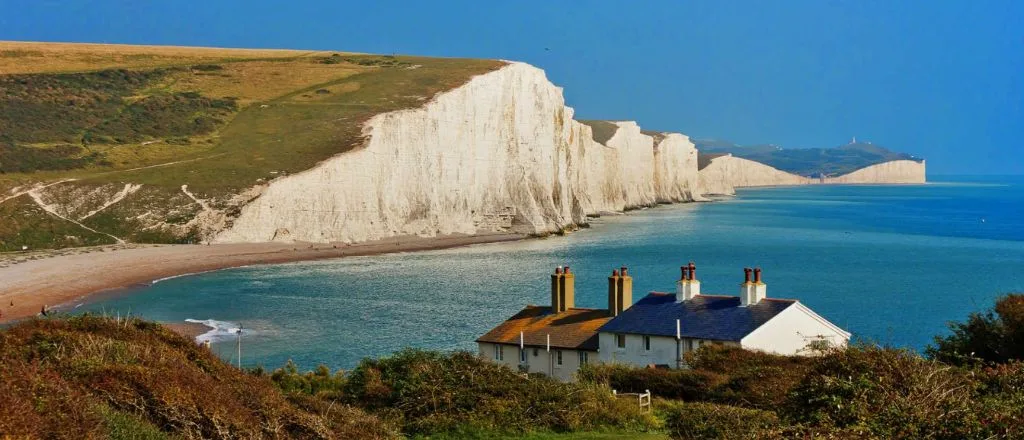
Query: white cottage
(661, 327)
(658, 330)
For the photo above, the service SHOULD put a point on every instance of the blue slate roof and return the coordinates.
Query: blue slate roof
(704, 317)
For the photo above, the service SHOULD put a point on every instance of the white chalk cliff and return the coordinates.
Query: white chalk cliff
(499, 153)
(896, 171)
(726, 173)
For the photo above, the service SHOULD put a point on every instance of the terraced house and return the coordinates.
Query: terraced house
(658, 330)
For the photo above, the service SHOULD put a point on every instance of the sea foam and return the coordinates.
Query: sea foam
(219, 330)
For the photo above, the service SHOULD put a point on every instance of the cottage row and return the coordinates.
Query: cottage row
(659, 329)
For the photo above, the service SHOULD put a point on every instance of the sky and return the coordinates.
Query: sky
(938, 79)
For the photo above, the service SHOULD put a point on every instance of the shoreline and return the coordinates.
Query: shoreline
(56, 278)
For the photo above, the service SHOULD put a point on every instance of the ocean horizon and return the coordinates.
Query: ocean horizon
(890, 263)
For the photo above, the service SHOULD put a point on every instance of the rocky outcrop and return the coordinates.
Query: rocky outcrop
(500, 153)
(897, 171)
(726, 173)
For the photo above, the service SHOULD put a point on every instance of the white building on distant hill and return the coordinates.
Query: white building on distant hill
(658, 330)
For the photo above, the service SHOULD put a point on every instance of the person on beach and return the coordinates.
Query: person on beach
(43, 312)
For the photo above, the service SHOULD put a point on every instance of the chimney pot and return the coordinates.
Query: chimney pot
(693, 271)
(566, 269)
(615, 272)
(684, 270)
(623, 271)
(558, 270)
(746, 275)
(757, 275)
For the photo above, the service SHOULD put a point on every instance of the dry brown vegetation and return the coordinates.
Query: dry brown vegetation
(35, 57)
(93, 377)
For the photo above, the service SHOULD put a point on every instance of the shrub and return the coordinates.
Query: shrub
(889, 393)
(319, 382)
(717, 374)
(714, 421)
(430, 392)
(995, 335)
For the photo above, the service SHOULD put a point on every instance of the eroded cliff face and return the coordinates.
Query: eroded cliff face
(726, 173)
(675, 159)
(500, 153)
(897, 171)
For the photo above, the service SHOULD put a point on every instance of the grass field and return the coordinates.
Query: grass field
(217, 120)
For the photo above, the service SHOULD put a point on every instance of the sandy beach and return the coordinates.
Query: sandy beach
(30, 281)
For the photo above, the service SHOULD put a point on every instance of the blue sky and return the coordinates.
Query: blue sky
(943, 80)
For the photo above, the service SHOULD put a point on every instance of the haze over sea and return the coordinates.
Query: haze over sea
(891, 264)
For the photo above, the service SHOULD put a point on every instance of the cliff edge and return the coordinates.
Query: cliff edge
(500, 153)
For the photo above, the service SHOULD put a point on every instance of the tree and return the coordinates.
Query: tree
(993, 336)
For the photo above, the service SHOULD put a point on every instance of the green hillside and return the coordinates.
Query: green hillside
(811, 162)
(216, 120)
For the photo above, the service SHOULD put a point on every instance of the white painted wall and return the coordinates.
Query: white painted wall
(538, 360)
(662, 352)
(789, 332)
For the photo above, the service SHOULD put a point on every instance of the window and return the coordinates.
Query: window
(499, 352)
(522, 356)
(558, 359)
(647, 343)
(583, 358)
(620, 341)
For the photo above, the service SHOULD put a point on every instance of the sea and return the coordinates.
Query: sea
(891, 264)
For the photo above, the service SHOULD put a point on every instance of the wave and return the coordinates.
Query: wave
(219, 330)
(187, 274)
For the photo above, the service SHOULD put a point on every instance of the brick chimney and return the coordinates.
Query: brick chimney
(620, 291)
(752, 291)
(688, 286)
(563, 289)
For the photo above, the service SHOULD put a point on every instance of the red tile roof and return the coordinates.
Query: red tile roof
(572, 329)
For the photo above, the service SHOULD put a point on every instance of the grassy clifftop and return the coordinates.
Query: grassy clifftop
(217, 120)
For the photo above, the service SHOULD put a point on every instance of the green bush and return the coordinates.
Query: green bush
(994, 336)
(889, 393)
(430, 392)
(714, 421)
(319, 382)
(718, 374)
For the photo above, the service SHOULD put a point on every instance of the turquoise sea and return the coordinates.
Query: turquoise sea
(891, 264)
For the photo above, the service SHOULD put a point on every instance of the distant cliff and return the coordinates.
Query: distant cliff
(810, 162)
(723, 174)
(897, 171)
(726, 173)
